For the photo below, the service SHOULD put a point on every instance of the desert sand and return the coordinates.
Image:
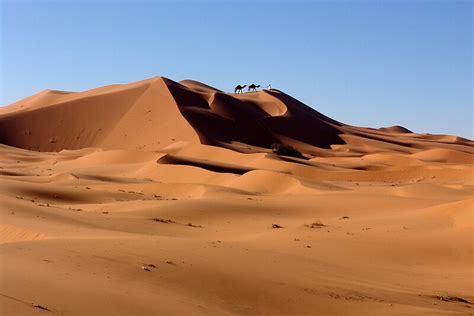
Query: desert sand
(164, 198)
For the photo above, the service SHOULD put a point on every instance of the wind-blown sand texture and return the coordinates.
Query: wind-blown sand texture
(164, 198)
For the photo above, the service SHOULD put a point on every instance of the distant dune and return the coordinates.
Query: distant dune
(168, 198)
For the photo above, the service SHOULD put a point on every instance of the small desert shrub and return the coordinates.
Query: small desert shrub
(315, 225)
(286, 150)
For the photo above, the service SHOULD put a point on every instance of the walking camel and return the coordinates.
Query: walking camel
(239, 88)
(253, 87)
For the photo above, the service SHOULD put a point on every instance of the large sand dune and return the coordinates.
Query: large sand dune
(164, 198)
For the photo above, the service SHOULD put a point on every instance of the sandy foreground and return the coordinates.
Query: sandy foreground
(163, 198)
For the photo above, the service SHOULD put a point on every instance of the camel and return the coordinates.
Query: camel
(253, 87)
(239, 88)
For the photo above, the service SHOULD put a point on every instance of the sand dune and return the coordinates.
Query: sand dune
(445, 155)
(163, 197)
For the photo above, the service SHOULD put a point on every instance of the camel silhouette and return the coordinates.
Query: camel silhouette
(253, 87)
(239, 88)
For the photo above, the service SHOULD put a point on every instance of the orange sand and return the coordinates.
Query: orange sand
(158, 198)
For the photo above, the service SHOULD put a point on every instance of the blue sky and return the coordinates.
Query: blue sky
(367, 63)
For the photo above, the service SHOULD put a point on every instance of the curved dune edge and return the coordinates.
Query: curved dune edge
(444, 155)
(460, 213)
(266, 182)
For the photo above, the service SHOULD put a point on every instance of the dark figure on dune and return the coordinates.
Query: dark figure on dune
(239, 88)
(253, 87)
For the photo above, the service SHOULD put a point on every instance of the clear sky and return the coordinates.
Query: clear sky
(367, 63)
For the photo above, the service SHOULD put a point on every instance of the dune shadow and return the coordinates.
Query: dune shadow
(204, 164)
